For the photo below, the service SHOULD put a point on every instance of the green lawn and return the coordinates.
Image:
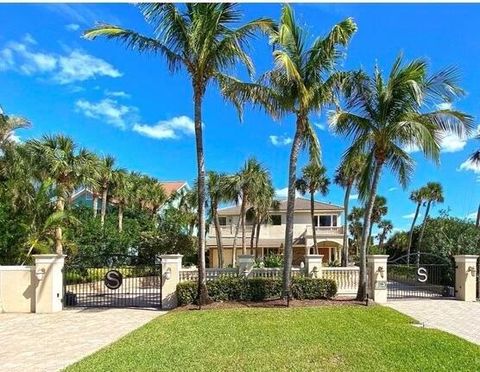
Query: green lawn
(301, 339)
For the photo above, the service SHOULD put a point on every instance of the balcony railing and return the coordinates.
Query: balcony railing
(325, 230)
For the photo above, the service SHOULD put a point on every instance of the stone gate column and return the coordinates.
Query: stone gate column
(465, 277)
(245, 264)
(171, 266)
(377, 277)
(49, 274)
(313, 265)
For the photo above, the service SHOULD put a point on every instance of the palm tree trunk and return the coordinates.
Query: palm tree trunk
(243, 217)
(380, 243)
(218, 235)
(312, 215)
(235, 236)
(362, 285)
(292, 174)
(104, 206)
(369, 239)
(257, 237)
(346, 200)
(59, 207)
(424, 224)
(202, 295)
(252, 235)
(410, 235)
(477, 222)
(95, 205)
(120, 217)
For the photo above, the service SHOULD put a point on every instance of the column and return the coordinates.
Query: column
(171, 266)
(377, 276)
(245, 264)
(49, 290)
(313, 265)
(465, 277)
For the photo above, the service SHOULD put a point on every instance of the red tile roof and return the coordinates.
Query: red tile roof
(172, 186)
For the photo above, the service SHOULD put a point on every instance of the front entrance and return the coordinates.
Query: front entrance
(113, 281)
(420, 275)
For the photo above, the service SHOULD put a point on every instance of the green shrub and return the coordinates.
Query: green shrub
(257, 289)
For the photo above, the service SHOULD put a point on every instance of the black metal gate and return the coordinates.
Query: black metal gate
(113, 281)
(420, 275)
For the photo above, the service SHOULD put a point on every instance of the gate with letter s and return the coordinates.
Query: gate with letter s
(420, 275)
(113, 281)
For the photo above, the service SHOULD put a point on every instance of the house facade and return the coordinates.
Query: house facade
(271, 238)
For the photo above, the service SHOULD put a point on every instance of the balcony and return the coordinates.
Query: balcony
(325, 231)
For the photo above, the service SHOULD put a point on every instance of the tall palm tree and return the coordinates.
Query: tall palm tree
(385, 116)
(8, 124)
(121, 193)
(264, 203)
(418, 197)
(302, 82)
(314, 179)
(433, 193)
(346, 176)
(107, 170)
(57, 158)
(379, 210)
(386, 227)
(199, 38)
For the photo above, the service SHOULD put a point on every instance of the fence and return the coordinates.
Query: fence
(346, 278)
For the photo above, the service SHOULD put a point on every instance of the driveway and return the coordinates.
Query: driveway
(50, 342)
(457, 317)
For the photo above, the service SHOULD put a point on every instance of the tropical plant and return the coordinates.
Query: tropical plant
(302, 82)
(8, 125)
(384, 117)
(264, 202)
(355, 227)
(379, 210)
(122, 194)
(418, 197)
(200, 39)
(386, 227)
(314, 179)
(106, 172)
(346, 176)
(433, 193)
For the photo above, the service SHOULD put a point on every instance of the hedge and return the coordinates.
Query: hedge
(257, 289)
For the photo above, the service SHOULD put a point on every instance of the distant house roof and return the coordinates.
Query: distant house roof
(171, 187)
(300, 205)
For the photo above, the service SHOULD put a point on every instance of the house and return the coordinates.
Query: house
(271, 239)
(174, 191)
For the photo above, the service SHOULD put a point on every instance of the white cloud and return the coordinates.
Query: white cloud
(353, 197)
(449, 142)
(393, 189)
(72, 27)
(411, 148)
(283, 193)
(118, 93)
(410, 216)
(468, 165)
(320, 126)
(472, 216)
(445, 106)
(108, 110)
(280, 140)
(167, 129)
(74, 66)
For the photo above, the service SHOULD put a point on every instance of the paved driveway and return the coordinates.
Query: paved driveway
(49, 342)
(457, 317)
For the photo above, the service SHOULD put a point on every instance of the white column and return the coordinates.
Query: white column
(245, 264)
(313, 265)
(377, 273)
(49, 291)
(465, 277)
(171, 266)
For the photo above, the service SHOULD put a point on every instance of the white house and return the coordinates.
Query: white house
(272, 234)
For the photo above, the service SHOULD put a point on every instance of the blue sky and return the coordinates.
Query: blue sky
(117, 102)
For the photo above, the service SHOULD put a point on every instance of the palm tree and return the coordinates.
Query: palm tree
(355, 226)
(346, 176)
(264, 203)
(302, 82)
(385, 116)
(379, 210)
(433, 193)
(121, 193)
(201, 40)
(314, 179)
(386, 227)
(8, 124)
(107, 170)
(57, 158)
(418, 197)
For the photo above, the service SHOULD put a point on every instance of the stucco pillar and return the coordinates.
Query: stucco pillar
(49, 291)
(465, 277)
(245, 264)
(313, 265)
(171, 266)
(377, 276)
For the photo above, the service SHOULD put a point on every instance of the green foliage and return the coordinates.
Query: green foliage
(256, 289)
(271, 261)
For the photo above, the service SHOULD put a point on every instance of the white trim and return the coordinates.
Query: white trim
(17, 268)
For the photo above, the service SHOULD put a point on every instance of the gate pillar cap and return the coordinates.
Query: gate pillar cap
(171, 258)
(463, 257)
(48, 258)
(377, 257)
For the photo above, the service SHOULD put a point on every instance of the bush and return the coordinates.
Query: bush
(257, 289)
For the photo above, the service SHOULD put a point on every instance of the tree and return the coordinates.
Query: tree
(433, 193)
(8, 124)
(121, 193)
(107, 170)
(201, 40)
(418, 197)
(347, 175)
(57, 158)
(386, 227)
(379, 210)
(314, 179)
(355, 226)
(383, 117)
(302, 82)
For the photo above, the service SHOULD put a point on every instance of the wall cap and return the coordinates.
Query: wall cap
(49, 258)
(465, 257)
(246, 257)
(314, 256)
(16, 268)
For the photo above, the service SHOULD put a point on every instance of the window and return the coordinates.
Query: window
(222, 221)
(334, 222)
(323, 221)
(276, 219)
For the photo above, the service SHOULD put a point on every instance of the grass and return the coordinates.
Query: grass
(344, 338)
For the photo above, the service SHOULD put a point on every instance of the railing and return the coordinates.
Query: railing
(325, 230)
(191, 274)
(345, 277)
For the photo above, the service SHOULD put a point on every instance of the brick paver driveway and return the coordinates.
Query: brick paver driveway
(456, 317)
(49, 342)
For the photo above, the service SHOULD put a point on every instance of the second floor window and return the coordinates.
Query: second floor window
(328, 220)
(222, 221)
(276, 219)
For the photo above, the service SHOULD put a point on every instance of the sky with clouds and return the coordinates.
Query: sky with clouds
(118, 102)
